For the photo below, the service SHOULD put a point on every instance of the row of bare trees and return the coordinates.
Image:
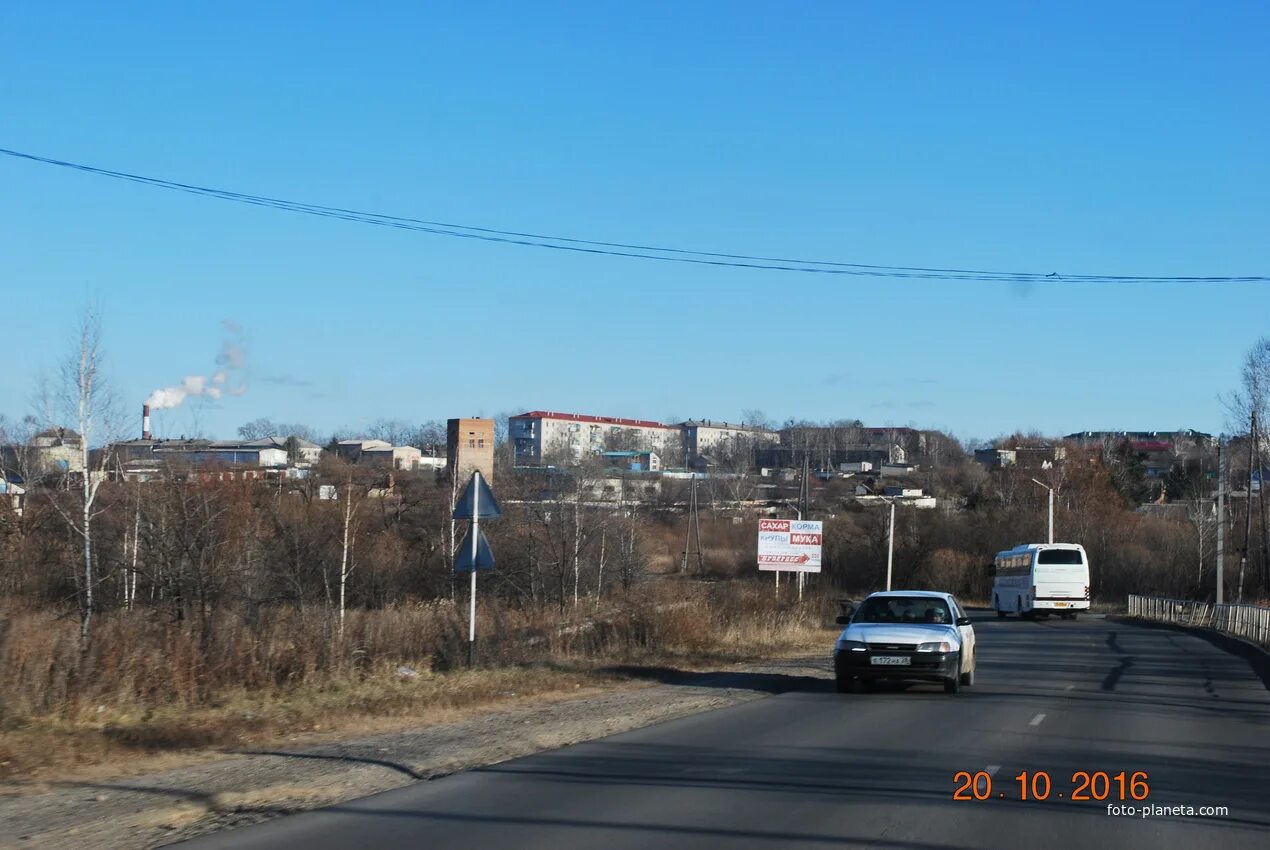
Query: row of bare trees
(191, 544)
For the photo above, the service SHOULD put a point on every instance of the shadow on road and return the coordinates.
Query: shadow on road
(1258, 659)
(391, 765)
(768, 683)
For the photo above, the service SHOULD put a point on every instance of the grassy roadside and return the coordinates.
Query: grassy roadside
(129, 730)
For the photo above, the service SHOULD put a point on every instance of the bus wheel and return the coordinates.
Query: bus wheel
(996, 603)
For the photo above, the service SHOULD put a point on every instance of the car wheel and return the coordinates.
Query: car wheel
(968, 679)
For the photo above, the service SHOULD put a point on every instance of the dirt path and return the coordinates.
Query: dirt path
(248, 787)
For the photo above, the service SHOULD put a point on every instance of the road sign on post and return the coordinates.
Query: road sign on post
(791, 545)
(476, 503)
(469, 557)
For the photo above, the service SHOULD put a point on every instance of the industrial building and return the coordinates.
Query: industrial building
(469, 447)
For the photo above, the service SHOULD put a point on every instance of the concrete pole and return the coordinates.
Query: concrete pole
(1051, 507)
(1221, 525)
(890, 547)
(1051, 514)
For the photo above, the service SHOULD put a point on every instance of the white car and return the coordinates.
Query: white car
(906, 635)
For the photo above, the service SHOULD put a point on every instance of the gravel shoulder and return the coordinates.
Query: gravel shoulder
(251, 786)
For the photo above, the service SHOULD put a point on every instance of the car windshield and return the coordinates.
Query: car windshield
(903, 609)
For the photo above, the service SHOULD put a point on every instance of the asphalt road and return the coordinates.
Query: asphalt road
(811, 768)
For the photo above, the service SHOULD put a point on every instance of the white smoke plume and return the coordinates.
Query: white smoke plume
(224, 381)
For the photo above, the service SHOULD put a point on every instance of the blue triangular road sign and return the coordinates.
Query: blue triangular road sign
(463, 557)
(466, 507)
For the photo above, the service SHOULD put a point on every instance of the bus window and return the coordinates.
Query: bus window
(1060, 556)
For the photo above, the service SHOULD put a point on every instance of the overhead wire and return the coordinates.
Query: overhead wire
(624, 249)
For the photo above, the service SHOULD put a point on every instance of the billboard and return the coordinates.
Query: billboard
(790, 545)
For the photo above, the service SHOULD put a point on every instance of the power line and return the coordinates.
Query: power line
(624, 249)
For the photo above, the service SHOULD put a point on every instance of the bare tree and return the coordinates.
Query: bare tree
(430, 437)
(393, 431)
(1247, 408)
(85, 397)
(263, 427)
(352, 504)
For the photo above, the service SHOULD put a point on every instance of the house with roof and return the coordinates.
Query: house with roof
(52, 452)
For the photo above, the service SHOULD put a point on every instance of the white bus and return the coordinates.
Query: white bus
(1039, 579)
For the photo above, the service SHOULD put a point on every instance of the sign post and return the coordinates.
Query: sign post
(793, 545)
(476, 503)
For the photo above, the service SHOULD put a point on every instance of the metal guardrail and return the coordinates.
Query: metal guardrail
(1245, 621)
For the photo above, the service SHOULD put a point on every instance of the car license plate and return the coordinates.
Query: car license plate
(897, 660)
(1060, 604)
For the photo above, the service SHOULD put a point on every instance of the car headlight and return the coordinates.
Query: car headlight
(853, 646)
(935, 646)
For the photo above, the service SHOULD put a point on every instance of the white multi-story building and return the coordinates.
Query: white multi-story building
(543, 436)
(708, 436)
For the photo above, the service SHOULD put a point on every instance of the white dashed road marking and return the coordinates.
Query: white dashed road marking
(1036, 721)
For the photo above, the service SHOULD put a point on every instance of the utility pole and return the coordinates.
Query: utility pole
(890, 546)
(1261, 502)
(1051, 508)
(1243, 559)
(804, 509)
(694, 526)
(1221, 524)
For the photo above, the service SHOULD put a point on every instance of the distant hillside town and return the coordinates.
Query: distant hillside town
(624, 459)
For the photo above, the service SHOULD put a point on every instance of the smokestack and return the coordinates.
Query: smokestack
(145, 421)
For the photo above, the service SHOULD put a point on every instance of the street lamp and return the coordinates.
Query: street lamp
(1051, 511)
(890, 534)
(890, 542)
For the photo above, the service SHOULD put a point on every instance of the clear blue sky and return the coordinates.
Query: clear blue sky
(1126, 138)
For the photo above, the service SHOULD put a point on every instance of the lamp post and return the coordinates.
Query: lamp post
(890, 543)
(890, 535)
(1051, 508)
(1221, 522)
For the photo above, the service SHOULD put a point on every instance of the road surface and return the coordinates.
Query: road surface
(809, 768)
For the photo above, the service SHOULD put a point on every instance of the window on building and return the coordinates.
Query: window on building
(471, 444)
(480, 444)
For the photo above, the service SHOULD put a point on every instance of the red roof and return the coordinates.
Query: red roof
(599, 420)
